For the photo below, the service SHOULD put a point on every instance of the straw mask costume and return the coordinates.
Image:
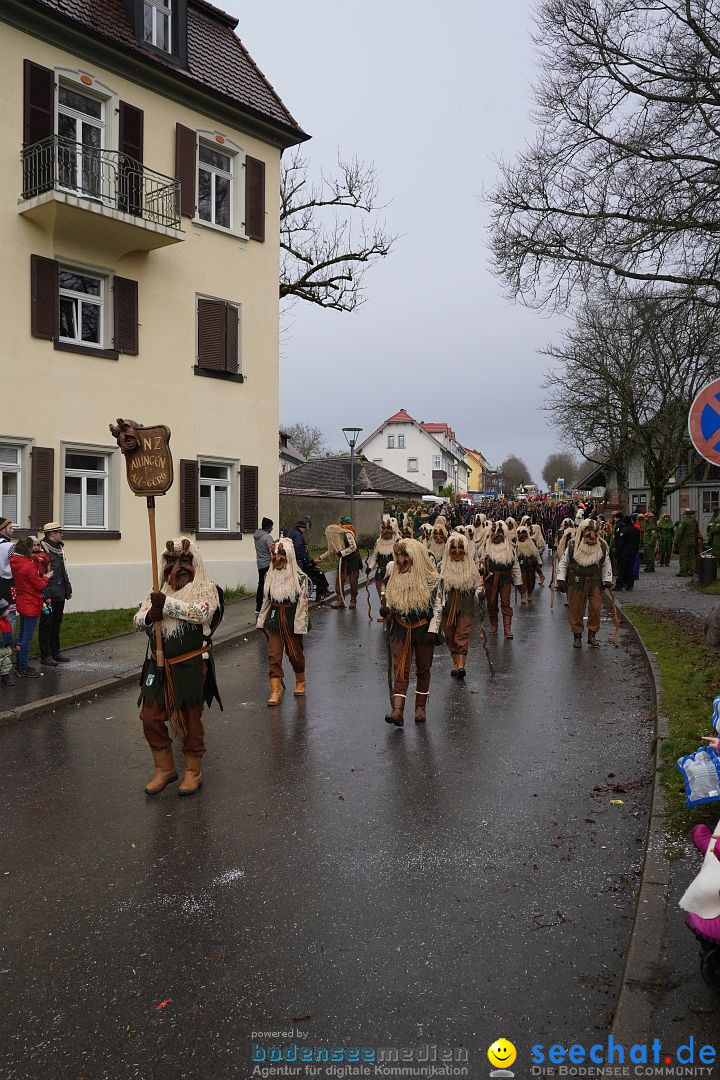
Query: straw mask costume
(583, 571)
(382, 553)
(461, 586)
(185, 607)
(502, 571)
(530, 563)
(284, 616)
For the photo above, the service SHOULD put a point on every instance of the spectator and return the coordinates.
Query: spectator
(627, 544)
(297, 535)
(29, 587)
(7, 645)
(263, 553)
(56, 593)
(6, 550)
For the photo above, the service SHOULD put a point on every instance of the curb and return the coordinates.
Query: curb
(635, 1008)
(112, 682)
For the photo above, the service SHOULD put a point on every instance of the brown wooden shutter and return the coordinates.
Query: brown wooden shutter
(132, 123)
(189, 495)
(232, 325)
(43, 297)
(125, 315)
(39, 103)
(185, 167)
(255, 198)
(248, 498)
(212, 341)
(42, 479)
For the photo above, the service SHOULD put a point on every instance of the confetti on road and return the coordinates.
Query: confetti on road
(167, 1001)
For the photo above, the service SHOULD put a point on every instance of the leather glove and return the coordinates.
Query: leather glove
(561, 587)
(384, 612)
(157, 603)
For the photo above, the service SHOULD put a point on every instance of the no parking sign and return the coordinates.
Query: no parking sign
(704, 422)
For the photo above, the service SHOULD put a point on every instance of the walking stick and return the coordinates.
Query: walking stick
(483, 635)
(616, 620)
(553, 579)
(159, 653)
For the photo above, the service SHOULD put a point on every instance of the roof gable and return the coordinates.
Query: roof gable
(332, 474)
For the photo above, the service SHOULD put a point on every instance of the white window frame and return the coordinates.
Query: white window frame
(160, 9)
(13, 470)
(85, 474)
(98, 92)
(214, 483)
(100, 301)
(409, 464)
(437, 462)
(217, 140)
(391, 442)
(401, 442)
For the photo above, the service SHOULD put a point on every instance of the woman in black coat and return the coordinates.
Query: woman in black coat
(627, 545)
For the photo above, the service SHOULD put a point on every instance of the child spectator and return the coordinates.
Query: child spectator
(6, 645)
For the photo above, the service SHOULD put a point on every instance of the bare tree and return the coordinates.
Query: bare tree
(625, 376)
(623, 177)
(306, 438)
(561, 464)
(329, 233)
(514, 471)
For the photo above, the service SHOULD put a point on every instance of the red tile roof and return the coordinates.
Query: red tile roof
(435, 429)
(217, 59)
(400, 417)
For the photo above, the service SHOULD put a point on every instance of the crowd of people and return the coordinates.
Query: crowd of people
(34, 587)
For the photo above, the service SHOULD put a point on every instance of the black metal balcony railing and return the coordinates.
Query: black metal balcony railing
(113, 178)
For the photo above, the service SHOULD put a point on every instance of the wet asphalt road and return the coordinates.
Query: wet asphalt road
(443, 885)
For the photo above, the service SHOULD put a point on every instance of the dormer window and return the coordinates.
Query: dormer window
(157, 24)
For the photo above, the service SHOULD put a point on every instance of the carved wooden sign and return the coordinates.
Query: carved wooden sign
(148, 460)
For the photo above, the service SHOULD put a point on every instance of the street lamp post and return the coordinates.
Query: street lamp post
(455, 477)
(351, 437)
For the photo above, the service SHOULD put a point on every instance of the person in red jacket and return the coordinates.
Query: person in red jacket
(29, 585)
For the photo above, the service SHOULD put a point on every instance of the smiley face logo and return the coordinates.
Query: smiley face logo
(501, 1054)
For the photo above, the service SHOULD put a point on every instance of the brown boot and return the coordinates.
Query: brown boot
(493, 628)
(192, 780)
(507, 619)
(577, 641)
(420, 708)
(523, 599)
(592, 641)
(276, 692)
(165, 771)
(300, 684)
(398, 706)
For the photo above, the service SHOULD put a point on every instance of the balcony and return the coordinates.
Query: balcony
(100, 198)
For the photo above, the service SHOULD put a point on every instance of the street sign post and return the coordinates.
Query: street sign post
(704, 422)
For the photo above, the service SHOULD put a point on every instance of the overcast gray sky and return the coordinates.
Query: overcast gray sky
(433, 93)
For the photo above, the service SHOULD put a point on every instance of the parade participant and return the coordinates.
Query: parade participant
(188, 608)
(284, 617)
(412, 606)
(713, 532)
(627, 543)
(666, 532)
(501, 571)
(649, 541)
(461, 586)
(382, 553)
(530, 563)
(583, 571)
(341, 543)
(438, 540)
(511, 525)
(685, 540)
(537, 535)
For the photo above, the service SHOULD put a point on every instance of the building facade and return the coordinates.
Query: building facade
(139, 183)
(427, 454)
(479, 469)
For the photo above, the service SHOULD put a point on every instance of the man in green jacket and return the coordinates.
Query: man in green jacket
(713, 532)
(650, 537)
(666, 531)
(685, 538)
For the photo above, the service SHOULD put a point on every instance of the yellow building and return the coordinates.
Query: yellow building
(478, 467)
(139, 193)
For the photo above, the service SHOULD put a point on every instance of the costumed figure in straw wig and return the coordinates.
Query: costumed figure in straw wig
(462, 586)
(284, 616)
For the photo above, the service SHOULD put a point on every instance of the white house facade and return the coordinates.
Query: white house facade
(431, 458)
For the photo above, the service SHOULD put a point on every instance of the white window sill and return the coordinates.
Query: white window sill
(219, 228)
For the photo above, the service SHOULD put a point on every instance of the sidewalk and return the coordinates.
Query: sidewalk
(103, 665)
(666, 591)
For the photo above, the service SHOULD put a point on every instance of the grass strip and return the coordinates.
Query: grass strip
(690, 674)
(84, 627)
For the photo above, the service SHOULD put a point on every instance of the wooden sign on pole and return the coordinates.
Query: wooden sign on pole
(149, 467)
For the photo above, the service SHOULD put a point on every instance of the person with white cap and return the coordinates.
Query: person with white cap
(56, 593)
